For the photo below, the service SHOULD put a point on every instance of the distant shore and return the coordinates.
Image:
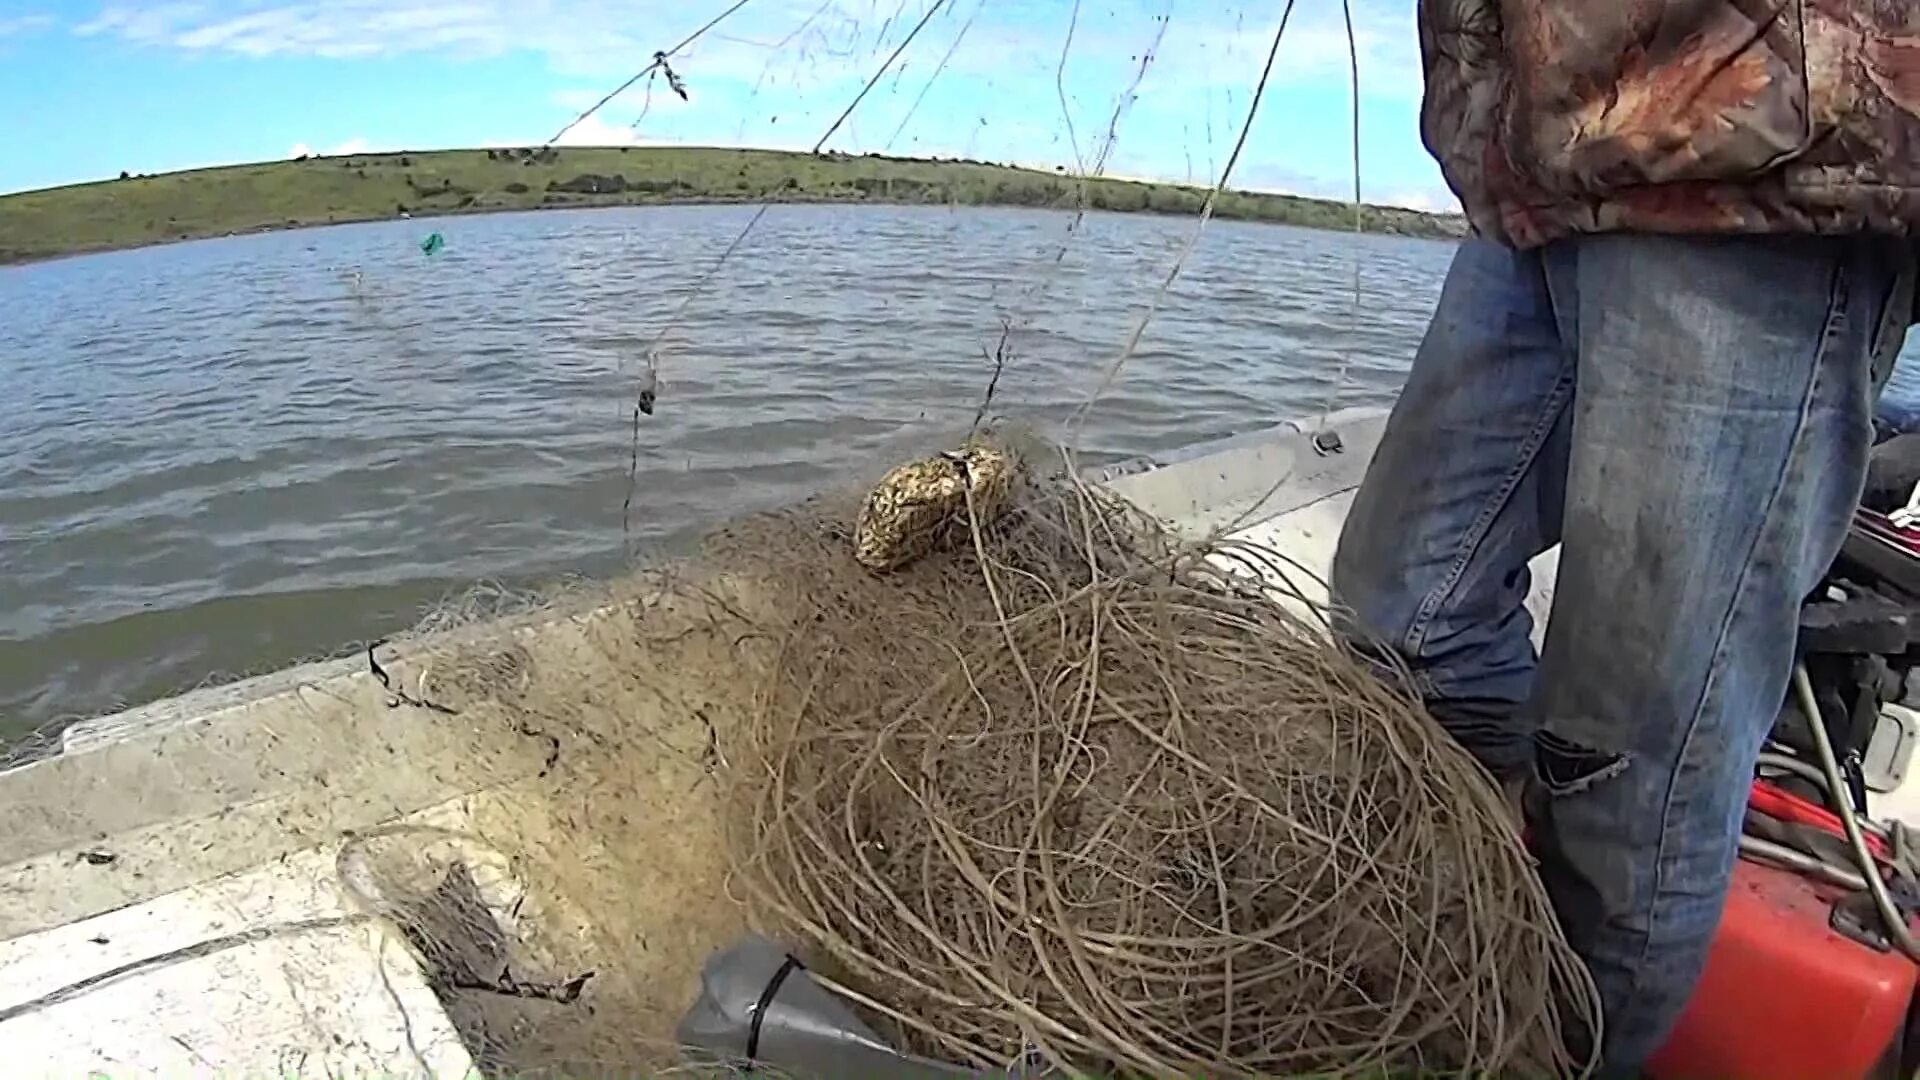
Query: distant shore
(136, 211)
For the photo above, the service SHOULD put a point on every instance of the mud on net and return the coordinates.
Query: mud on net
(1065, 784)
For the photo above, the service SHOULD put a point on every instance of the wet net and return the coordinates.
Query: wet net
(1053, 782)
(1081, 789)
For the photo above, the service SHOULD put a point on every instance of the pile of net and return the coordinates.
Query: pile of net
(1030, 776)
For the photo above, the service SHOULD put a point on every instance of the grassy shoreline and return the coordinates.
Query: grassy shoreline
(139, 211)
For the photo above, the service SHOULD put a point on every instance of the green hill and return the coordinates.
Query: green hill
(136, 210)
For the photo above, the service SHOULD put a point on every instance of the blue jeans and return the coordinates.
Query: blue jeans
(1898, 409)
(1689, 420)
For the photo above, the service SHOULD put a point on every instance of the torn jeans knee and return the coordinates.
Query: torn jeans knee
(1565, 767)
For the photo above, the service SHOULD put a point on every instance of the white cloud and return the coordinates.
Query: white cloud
(594, 131)
(794, 41)
(150, 24)
(781, 71)
(1315, 46)
(589, 34)
(355, 145)
(21, 25)
(1433, 200)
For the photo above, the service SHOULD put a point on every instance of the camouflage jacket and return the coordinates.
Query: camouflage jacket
(1552, 117)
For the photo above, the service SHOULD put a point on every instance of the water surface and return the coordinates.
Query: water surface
(220, 457)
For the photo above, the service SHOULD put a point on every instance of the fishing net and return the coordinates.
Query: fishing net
(1079, 788)
(1054, 782)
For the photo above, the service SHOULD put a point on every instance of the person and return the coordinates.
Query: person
(1690, 262)
(1897, 412)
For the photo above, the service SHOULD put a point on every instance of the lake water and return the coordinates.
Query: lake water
(220, 457)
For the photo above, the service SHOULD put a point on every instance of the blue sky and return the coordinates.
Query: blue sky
(92, 89)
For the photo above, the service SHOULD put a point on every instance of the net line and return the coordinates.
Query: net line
(1019, 317)
(659, 61)
(701, 284)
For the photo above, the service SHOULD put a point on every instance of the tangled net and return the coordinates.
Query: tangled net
(1072, 787)
(1054, 782)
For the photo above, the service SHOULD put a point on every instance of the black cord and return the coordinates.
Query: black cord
(659, 61)
(926, 18)
(399, 696)
(767, 994)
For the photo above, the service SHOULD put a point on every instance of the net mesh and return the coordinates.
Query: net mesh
(1057, 782)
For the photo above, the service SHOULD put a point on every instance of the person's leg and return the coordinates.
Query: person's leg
(1462, 491)
(1719, 443)
(1898, 408)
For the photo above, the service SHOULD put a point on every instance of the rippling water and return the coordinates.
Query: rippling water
(217, 458)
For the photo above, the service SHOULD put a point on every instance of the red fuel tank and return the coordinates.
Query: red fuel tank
(1784, 997)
